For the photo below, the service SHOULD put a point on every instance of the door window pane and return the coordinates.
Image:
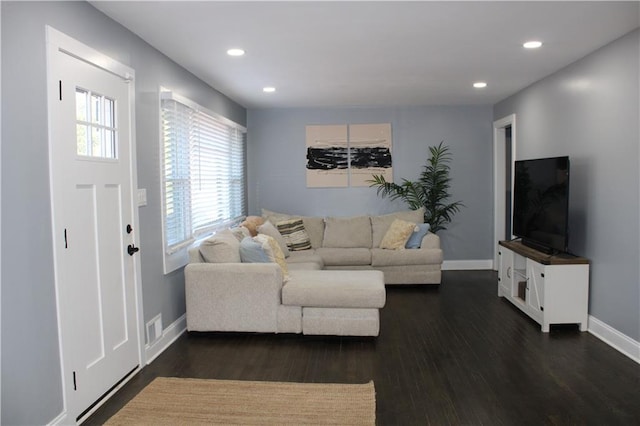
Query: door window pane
(96, 132)
(81, 105)
(96, 115)
(82, 137)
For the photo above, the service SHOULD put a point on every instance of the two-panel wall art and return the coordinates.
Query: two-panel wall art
(345, 155)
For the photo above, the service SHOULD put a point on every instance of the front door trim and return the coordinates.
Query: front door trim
(58, 42)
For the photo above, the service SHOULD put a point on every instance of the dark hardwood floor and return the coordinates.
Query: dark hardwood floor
(455, 355)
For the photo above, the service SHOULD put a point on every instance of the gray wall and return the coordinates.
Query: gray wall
(590, 112)
(31, 382)
(277, 176)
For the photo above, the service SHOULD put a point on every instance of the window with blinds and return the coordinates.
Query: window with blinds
(204, 180)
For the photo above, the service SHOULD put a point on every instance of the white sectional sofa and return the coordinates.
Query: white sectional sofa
(334, 287)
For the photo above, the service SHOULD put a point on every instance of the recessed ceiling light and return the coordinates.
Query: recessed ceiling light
(479, 84)
(533, 44)
(269, 89)
(235, 52)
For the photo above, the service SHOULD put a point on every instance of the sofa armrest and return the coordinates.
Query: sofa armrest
(233, 296)
(430, 241)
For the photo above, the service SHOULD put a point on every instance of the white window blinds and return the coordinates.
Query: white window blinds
(203, 170)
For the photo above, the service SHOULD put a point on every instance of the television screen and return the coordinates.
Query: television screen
(541, 203)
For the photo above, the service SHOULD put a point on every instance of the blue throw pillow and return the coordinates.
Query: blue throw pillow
(252, 252)
(416, 238)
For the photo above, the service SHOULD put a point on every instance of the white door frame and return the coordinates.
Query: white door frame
(499, 178)
(59, 42)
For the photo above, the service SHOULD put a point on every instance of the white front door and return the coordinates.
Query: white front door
(93, 219)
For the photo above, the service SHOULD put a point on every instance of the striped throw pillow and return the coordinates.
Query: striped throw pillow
(294, 234)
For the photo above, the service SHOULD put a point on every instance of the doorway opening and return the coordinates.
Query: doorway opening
(504, 154)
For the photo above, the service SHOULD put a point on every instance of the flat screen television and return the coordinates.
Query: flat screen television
(541, 203)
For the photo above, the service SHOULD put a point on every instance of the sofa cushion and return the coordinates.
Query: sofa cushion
(251, 251)
(294, 234)
(269, 229)
(307, 266)
(315, 229)
(341, 321)
(345, 256)
(305, 256)
(223, 247)
(273, 251)
(335, 289)
(397, 235)
(347, 232)
(416, 237)
(382, 257)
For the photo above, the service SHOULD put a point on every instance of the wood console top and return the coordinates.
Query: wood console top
(543, 258)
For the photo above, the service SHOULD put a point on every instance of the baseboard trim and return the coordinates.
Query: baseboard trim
(466, 265)
(617, 340)
(60, 420)
(169, 335)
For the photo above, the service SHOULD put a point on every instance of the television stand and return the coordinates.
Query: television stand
(549, 288)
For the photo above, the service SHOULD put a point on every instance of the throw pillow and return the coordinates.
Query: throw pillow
(273, 251)
(294, 234)
(223, 247)
(252, 223)
(415, 239)
(252, 252)
(240, 232)
(397, 235)
(267, 228)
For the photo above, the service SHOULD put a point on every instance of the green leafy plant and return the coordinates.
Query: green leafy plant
(430, 191)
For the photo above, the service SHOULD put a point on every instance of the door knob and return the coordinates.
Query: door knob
(131, 249)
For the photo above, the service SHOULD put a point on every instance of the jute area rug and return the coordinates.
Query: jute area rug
(176, 401)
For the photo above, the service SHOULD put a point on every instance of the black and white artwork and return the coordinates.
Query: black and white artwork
(327, 156)
(347, 155)
(369, 152)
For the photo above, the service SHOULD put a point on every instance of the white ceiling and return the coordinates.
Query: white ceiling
(373, 53)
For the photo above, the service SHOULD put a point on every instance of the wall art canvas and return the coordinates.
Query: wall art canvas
(327, 156)
(347, 155)
(369, 152)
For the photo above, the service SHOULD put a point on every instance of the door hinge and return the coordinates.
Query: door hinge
(74, 381)
(60, 88)
(65, 238)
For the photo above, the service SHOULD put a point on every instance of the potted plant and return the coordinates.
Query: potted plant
(430, 191)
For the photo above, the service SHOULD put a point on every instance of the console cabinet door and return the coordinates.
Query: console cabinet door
(505, 272)
(535, 290)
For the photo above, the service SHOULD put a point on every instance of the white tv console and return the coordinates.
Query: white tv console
(551, 289)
